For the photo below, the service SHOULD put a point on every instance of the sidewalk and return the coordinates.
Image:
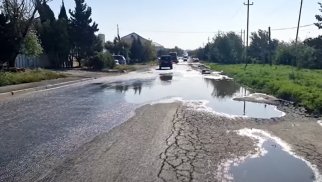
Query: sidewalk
(73, 76)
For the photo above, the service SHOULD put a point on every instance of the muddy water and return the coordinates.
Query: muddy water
(191, 85)
(277, 165)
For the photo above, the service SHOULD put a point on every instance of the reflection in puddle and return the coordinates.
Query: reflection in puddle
(191, 85)
(274, 161)
(166, 77)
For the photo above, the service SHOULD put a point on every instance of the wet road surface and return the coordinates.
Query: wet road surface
(39, 131)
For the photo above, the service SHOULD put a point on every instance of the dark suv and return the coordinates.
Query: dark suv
(165, 61)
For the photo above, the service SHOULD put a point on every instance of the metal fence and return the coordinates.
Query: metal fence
(24, 61)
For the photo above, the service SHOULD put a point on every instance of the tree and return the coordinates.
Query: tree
(319, 18)
(118, 47)
(7, 40)
(261, 47)
(54, 35)
(63, 37)
(226, 48)
(316, 43)
(177, 50)
(32, 45)
(63, 14)
(301, 55)
(136, 50)
(16, 19)
(82, 31)
(101, 60)
(149, 52)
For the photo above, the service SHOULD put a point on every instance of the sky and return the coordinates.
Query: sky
(189, 24)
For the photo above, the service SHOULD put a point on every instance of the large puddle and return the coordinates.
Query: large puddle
(273, 161)
(192, 85)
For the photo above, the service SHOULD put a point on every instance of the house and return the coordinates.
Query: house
(130, 38)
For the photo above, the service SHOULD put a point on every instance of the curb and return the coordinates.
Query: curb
(42, 88)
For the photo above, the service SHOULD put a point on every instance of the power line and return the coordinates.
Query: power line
(181, 32)
(290, 28)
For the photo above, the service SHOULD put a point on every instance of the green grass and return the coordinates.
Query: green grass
(304, 86)
(9, 78)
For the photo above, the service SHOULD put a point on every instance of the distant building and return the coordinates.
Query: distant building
(130, 38)
(102, 38)
(158, 46)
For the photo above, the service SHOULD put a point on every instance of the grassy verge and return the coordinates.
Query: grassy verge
(303, 87)
(8, 78)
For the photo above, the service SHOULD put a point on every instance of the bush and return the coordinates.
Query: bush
(101, 60)
(9, 78)
(300, 55)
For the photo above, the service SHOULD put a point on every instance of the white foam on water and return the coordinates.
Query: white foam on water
(201, 105)
(260, 137)
(167, 101)
(320, 122)
(217, 77)
(282, 113)
(196, 105)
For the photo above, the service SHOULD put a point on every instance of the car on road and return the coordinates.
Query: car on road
(119, 59)
(165, 61)
(185, 59)
(174, 57)
(196, 60)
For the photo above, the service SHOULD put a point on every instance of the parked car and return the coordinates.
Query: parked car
(120, 59)
(185, 59)
(195, 59)
(165, 61)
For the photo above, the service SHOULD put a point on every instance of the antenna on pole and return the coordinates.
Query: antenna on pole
(247, 37)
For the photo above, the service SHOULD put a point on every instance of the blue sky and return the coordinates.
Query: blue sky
(189, 23)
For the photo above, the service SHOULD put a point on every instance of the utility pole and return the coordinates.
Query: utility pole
(244, 37)
(270, 46)
(299, 22)
(297, 32)
(248, 4)
(241, 34)
(118, 32)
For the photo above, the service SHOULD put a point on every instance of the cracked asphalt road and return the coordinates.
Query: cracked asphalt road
(169, 143)
(77, 134)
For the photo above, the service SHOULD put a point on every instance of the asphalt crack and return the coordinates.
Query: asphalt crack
(198, 144)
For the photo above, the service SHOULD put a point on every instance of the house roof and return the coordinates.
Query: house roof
(157, 44)
(131, 35)
(134, 35)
